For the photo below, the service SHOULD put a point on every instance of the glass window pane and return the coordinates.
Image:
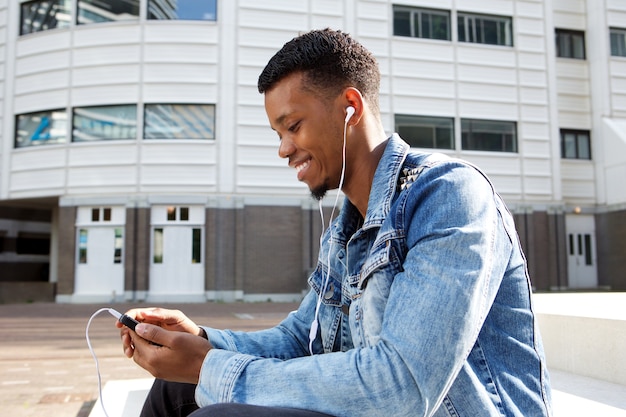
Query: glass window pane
(171, 213)
(118, 244)
(184, 213)
(42, 15)
(182, 9)
(461, 28)
(440, 27)
(179, 121)
(425, 29)
(401, 22)
(492, 30)
(82, 246)
(95, 214)
(578, 46)
(488, 135)
(157, 244)
(426, 131)
(106, 214)
(104, 123)
(196, 246)
(584, 150)
(588, 260)
(618, 42)
(41, 128)
(97, 11)
(569, 145)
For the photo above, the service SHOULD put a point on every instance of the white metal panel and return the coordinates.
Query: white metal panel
(104, 94)
(97, 35)
(615, 190)
(105, 75)
(530, 95)
(102, 176)
(44, 42)
(536, 149)
(531, 43)
(422, 50)
(487, 92)
(180, 91)
(486, 55)
(47, 182)
(529, 9)
(495, 163)
(423, 105)
(106, 55)
(41, 100)
(534, 113)
(177, 53)
(429, 69)
(257, 136)
(38, 157)
(529, 26)
(181, 152)
(326, 21)
(485, 74)
(537, 186)
(285, 20)
(488, 110)
(182, 32)
(534, 130)
(42, 62)
(179, 72)
(35, 83)
(102, 153)
(502, 7)
(299, 6)
(179, 175)
(532, 78)
(537, 167)
(422, 87)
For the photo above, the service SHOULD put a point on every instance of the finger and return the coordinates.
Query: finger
(154, 334)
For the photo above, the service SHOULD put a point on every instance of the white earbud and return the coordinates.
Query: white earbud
(349, 113)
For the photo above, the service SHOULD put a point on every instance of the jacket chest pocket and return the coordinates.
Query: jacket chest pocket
(370, 291)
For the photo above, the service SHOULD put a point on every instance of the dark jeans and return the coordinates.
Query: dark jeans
(173, 399)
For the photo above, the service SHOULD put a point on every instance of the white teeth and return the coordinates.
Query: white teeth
(302, 166)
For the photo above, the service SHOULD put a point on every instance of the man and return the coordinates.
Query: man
(420, 304)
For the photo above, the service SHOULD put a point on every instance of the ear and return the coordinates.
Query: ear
(352, 97)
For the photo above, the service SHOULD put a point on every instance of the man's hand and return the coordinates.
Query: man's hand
(179, 357)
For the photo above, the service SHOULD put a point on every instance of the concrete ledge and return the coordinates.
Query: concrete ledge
(122, 398)
(584, 333)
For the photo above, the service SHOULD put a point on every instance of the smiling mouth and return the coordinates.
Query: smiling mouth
(302, 166)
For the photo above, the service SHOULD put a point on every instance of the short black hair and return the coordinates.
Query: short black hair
(330, 60)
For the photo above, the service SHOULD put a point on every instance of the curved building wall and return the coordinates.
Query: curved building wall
(147, 144)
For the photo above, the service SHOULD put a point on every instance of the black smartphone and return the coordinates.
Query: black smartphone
(128, 321)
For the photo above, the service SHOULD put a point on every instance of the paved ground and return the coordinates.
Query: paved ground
(46, 369)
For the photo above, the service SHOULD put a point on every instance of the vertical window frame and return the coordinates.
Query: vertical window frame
(416, 18)
(617, 41)
(471, 28)
(578, 153)
(569, 51)
(471, 139)
(405, 121)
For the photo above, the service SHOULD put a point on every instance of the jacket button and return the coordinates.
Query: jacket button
(330, 292)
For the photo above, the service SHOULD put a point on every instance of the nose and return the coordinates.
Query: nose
(286, 148)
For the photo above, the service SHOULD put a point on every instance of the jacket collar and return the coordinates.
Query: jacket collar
(383, 187)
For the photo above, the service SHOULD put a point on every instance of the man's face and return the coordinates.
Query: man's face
(310, 132)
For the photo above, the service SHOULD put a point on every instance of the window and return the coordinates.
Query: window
(37, 16)
(491, 30)
(96, 214)
(41, 128)
(570, 44)
(425, 131)
(618, 42)
(182, 10)
(157, 256)
(118, 245)
(179, 121)
(183, 213)
(421, 23)
(97, 11)
(82, 246)
(104, 123)
(32, 244)
(196, 246)
(575, 144)
(488, 135)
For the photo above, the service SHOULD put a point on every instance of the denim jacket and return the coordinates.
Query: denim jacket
(425, 309)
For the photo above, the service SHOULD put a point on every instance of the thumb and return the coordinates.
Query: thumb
(152, 333)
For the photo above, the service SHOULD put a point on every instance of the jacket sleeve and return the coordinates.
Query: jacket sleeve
(434, 312)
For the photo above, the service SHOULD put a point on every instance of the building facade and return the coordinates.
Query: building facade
(137, 162)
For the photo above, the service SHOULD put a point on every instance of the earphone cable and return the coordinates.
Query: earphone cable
(93, 354)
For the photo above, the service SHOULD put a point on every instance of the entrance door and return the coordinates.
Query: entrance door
(581, 251)
(99, 270)
(177, 267)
